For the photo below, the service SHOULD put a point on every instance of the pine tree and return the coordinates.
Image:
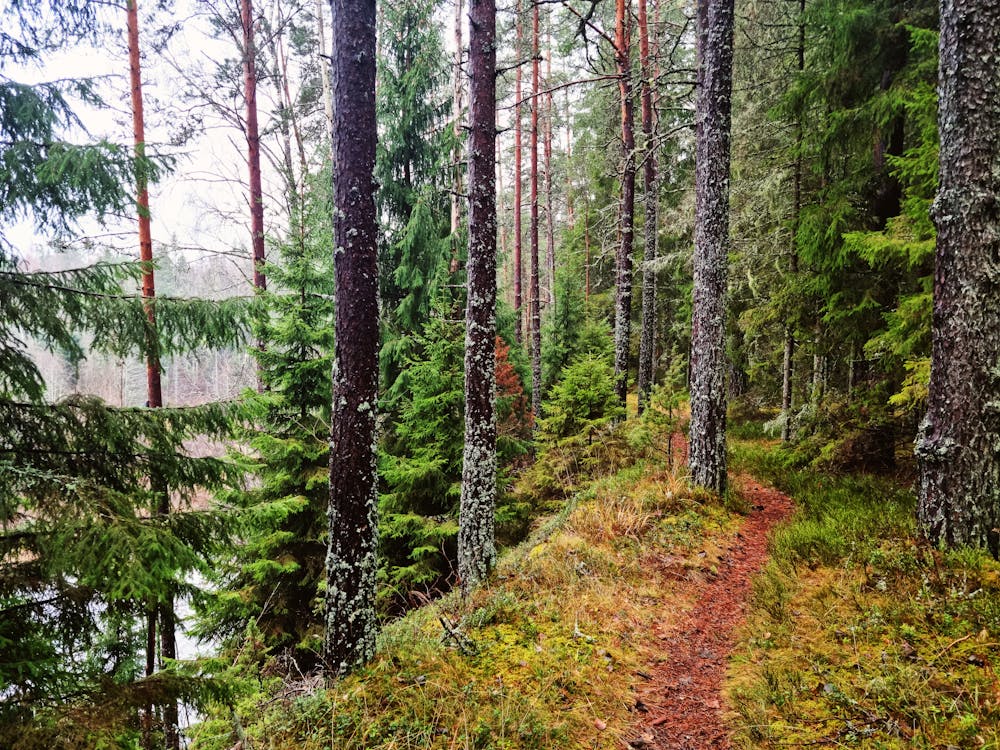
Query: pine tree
(959, 499)
(82, 555)
(708, 393)
(626, 206)
(476, 526)
(351, 565)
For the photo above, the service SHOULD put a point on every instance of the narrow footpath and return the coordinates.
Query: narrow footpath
(680, 704)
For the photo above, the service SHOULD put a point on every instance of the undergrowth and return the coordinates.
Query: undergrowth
(545, 655)
(860, 635)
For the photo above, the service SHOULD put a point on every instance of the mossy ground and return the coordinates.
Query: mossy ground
(545, 655)
(859, 635)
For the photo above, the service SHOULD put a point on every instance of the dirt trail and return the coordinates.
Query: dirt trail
(681, 704)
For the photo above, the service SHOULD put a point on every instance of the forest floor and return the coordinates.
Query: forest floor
(682, 702)
(646, 613)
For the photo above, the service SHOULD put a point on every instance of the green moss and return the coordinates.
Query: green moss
(859, 635)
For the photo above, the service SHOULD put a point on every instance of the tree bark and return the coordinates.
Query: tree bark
(533, 290)
(708, 319)
(324, 71)
(253, 145)
(476, 534)
(959, 496)
(518, 265)
(160, 612)
(351, 563)
(647, 338)
(550, 230)
(456, 114)
(788, 364)
(626, 207)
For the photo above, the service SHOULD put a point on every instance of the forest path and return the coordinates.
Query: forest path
(681, 703)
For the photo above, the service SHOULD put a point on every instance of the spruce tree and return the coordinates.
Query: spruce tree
(83, 557)
(275, 576)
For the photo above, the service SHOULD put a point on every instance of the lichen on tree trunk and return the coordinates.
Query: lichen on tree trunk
(647, 339)
(476, 533)
(351, 565)
(707, 458)
(626, 206)
(959, 441)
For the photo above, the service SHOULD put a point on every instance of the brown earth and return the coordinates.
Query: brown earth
(680, 703)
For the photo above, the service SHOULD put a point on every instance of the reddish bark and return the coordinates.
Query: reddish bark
(154, 395)
(159, 613)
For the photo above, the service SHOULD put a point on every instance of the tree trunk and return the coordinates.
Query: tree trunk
(456, 114)
(788, 365)
(351, 563)
(476, 535)
(518, 300)
(533, 291)
(550, 232)
(787, 371)
(253, 145)
(959, 498)
(164, 608)
(626, 208)
(708, 319)
(647, 338)
(324, 70)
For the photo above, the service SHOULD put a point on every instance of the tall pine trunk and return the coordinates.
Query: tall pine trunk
(351, 563)
(959, 497)
(518, 265)
(626, 207)
(456, 115)
(476, 535)
(253, 144)
(647, 337)
(160, 613)
(533, 290)
(788, 365)
(708, 317)
(550, 230)
(324, 71)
